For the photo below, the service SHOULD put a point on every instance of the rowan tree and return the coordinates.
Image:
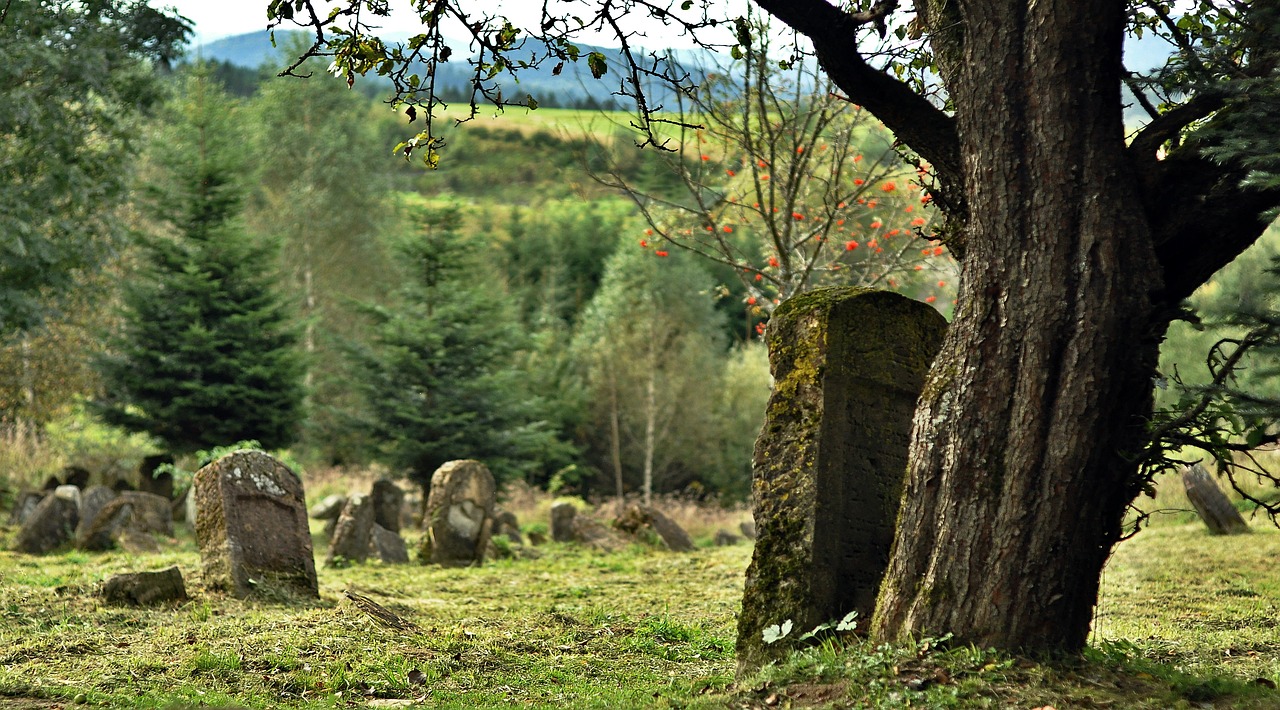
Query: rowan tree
(1076, 244)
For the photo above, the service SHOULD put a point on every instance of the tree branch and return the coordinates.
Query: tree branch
(926, 129)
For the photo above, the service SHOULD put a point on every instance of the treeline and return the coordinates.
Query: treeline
(243, 82)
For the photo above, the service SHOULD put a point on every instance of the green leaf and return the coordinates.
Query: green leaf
(777, 632)
(598, 64)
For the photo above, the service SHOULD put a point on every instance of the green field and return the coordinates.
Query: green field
(1186, 620)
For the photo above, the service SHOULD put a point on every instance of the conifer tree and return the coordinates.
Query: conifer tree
(440, 376)
(205, 356)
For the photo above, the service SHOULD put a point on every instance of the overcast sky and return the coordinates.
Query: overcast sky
(215, 19)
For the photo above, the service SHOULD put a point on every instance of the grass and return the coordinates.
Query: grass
(1185, 620)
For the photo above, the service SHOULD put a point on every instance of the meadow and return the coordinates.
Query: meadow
(1186, 620)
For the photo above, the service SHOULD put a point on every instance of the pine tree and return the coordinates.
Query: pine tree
(205, 357)
(439, 376)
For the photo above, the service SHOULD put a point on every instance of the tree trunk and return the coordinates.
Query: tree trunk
(615, 434)
(1018, 478)
(650, 429)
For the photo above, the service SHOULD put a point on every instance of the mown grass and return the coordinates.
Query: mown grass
(1186, 620)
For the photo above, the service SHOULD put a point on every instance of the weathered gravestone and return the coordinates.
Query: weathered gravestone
(1213, 506)
(459, 517)
(352, 534)
(562, 516)
(251, 525)
(92, 501)
(145, 588)
(848, 366)
(388, 501)
(506, 523)
(641, 517)
(388, 546)
(724, 538)
(24, 505)
(130, 517)
(51, 523)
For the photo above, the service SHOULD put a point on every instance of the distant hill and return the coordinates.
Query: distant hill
(573, 87)
(251, 50)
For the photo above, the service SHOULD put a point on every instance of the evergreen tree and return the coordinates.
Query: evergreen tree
(440, 377)
(205, 357)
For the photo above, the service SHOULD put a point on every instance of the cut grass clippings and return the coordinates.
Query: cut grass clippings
(1186, 620)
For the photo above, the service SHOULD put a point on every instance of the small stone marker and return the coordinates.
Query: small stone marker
(459, 514)
(251, 525)
(352, 535)
(848, 366)
(106, 528)
(24, 505)
(145, 588)
(388, 500)
(388, 546)
(506, 523)
(1213, 506)
(724, 538)
(638, 517)
(562, 515)
(151, 513)
(748, 528)
(329, 508)
(51, 524)
(92, 501)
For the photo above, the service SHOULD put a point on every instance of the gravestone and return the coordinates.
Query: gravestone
(24, 505)
(251, 525)
(160, 484)
(107, 526)
(52, 522)
(388, 546)
(748, 528)
(92, 501)
(1213, 506)
(506, 523)
(641, 517)
(459, 517)
(145, 588)
(329, 508)
(351, 535)
(848, 366)
(724, 538)
(388, 501)
(562, 515)
(152, 513)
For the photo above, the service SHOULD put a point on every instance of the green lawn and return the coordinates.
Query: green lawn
(1186, 620)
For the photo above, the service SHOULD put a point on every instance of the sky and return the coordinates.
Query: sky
(215, 19)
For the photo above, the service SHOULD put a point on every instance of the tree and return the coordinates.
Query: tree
(650, 351)
(789, 185)
(328, 208)
(439, 375)
(1075, 248)
(206, 356)
(64, 157)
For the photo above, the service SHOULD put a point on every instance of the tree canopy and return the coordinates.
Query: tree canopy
(65, 155)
